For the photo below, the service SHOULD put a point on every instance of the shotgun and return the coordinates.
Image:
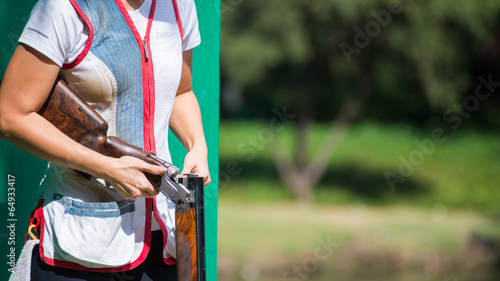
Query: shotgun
(72, 115)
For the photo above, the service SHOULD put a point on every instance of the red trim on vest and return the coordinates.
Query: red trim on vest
(164, 231)
(35, 214)
(149, 101)
(72, 265)
(88, 44)
(178, 17)
(170, 261)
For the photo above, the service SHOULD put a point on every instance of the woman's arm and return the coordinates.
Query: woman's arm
(27, 82)
(185, 123)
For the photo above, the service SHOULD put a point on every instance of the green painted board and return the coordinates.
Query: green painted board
(26, 171)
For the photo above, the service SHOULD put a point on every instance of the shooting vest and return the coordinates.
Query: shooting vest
(131, 82)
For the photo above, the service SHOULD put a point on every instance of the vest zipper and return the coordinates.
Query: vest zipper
(149, 92)
(146, 51)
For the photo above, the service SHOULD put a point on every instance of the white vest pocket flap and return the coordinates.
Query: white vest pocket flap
(95, 234)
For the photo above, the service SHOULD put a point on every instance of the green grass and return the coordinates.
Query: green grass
(462, 172)
(421, 230)
(292, 228)
(273, 237)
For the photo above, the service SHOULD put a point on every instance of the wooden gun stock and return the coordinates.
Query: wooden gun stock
(67, 111)
(73, 116)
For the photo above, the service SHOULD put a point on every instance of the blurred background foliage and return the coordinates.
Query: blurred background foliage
(369, 82)
(426, 58)
(410, 64)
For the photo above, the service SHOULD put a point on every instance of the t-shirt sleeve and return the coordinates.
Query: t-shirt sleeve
(189, 20)
(55, 30)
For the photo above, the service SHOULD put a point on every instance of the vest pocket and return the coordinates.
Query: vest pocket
(95, 234)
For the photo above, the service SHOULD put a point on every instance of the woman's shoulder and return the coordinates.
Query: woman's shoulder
(55, 15)
(54, 6)
(53, 28)
(54, 11)
(184, 5)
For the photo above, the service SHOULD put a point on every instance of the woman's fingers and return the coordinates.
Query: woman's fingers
(129, 179)
(197, 164)
(152, 169)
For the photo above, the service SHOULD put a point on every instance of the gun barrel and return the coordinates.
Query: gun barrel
(190, 233)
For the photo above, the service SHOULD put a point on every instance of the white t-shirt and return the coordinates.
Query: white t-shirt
(63, 38)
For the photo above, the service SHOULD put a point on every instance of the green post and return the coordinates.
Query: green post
(206, 88)
(26, 171)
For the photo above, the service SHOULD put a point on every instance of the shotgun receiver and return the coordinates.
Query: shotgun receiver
(68, 112)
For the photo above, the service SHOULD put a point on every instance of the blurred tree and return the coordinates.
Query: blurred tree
(320, 57)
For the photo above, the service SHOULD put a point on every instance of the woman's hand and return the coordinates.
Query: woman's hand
(196, 162)
(126, 175)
